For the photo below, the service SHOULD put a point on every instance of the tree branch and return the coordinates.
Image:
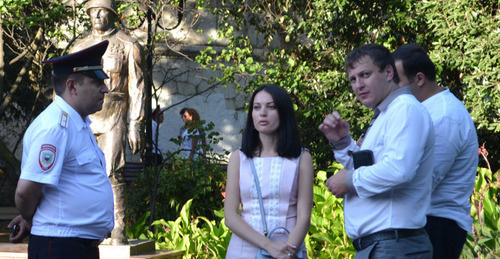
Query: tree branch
(21, 74)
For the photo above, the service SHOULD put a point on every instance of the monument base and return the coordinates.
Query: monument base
(136, 249)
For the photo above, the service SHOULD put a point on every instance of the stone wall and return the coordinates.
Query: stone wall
(180, 83)
(177, 77)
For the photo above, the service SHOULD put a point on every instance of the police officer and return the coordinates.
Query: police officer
(64, 192)
(124, 64)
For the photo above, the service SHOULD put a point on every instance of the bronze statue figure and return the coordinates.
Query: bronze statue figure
(124, 64)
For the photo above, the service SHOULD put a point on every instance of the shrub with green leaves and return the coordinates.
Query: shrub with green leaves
(484, 242)
(307, 41)
(204, 238)
(327, 237)
(164, 190)
(198, 236)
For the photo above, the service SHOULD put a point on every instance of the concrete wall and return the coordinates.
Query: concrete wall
(177, 77)
(189, 87)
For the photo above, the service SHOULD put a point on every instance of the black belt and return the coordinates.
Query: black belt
(363, 242)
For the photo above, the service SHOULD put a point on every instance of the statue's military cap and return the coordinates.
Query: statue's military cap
(87, 61)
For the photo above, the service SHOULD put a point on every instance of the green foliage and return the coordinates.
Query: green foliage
(180, 180)
(485, 239)
(327, 237)
(31, 13)
(198, 236)
(204, 238)
(463, 39)
(31, 31)
(307, 41)
(139, 228)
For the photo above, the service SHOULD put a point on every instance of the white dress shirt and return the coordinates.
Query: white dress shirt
(187, 142)
(60, 151)
(395, 191)
(455, 158)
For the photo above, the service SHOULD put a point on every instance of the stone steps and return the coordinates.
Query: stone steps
(137, 249)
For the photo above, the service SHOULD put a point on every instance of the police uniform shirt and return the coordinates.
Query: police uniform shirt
(60, 151)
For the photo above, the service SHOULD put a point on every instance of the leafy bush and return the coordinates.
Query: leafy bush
(307, 42)
(163, 190)
(327, 237)
(198, 236)
(485, 239)
(204, 238)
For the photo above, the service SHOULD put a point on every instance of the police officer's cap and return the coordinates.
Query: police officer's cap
(86, 61)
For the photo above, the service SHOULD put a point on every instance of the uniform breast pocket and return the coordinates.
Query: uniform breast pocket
(86, 158)
(88, 165)
(112, 64)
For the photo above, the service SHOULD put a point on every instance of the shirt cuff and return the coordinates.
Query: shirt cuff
(342, 143)
(348, 181)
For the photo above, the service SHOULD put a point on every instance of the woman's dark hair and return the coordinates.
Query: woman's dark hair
(194, 114)
(288, 140)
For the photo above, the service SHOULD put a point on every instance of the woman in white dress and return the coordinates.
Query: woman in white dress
(285, 171)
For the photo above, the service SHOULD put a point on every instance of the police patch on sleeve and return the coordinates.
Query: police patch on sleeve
(47, 156)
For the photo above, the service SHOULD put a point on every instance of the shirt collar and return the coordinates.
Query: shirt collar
(393, 95)
(72, 113)
(443, 91)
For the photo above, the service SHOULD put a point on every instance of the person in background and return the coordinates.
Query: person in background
(183, 128)
(64, 195)
(157, 119)
(285, 169)
(191, 137)
(386, 200)
(455, 152)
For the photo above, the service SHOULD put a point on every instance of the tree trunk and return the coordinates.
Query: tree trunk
(2, 63)
(22, 73)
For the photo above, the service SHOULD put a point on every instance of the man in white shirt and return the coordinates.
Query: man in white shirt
(455, 152)
(64, 195)
(384, 201)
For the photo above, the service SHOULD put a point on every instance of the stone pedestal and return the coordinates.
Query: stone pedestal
(136, 249)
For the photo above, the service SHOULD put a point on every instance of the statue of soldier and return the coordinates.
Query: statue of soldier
(124, 64)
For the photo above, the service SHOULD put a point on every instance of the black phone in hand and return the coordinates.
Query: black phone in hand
(15, 229)
(363, 158)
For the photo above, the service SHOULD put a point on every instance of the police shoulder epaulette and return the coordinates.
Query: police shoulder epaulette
(64, 120)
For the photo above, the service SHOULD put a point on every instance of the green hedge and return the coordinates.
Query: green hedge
(201, 237)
